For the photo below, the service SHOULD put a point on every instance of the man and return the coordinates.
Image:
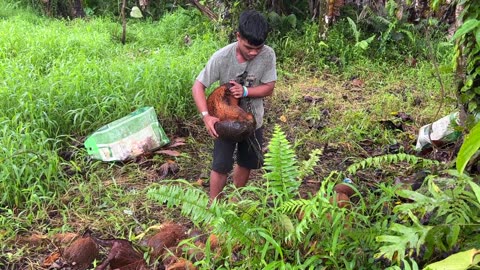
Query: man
(250, 62)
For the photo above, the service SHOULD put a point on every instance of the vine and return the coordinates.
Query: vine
(467, 51)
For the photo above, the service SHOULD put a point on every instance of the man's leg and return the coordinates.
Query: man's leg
(249, 157)
(217, 183)
(240, 176)
(221, 166)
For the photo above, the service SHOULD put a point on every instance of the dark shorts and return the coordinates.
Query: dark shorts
(248, 154)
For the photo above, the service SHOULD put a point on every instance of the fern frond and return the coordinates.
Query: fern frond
(376, 162)
(403, 242)
(194, 205)
(297, 207)
(308, 165)
(452, 201)
(281, 166)
(313, 210)
(287, 226)
(294, 206)
(365, 237)
(193, 202)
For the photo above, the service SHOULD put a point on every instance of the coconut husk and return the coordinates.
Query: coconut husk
(235, 123)
(169, 236)
(81, 253)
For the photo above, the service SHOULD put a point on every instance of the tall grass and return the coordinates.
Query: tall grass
(29, 164)
(80, 76)
(71, 77)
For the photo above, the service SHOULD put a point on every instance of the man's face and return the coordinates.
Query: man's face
(247, 50)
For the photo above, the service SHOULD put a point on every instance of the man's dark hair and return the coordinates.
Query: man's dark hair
(253, 27)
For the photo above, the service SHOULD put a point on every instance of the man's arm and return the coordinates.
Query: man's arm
(198, 93)
(261, 90)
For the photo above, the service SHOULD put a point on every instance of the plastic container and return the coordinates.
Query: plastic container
(439, 132)
(130, 136)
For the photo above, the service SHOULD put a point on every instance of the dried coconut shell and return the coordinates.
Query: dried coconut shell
(169, 236)
(213, 241)
(81, 253)
(62, 239)
(121, 256)
(181, 264)
(345, 189)
(342, 200)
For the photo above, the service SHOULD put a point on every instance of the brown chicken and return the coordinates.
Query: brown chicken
(235, 123)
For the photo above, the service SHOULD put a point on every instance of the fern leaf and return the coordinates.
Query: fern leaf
(194, 205)
(378, 161)
(281, 166)
(406, 239)
(193, 202)
(366, 237)
(287, 226)
(308, 165)
(294, 206)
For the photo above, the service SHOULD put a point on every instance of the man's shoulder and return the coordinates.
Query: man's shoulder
(268, 50)
(225, 51)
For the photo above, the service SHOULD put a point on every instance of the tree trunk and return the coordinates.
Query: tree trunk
(460, 69)
(124, 21)
(323, 19)
(77, 9)
(205, 10)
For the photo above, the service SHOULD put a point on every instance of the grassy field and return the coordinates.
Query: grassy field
(62, 80)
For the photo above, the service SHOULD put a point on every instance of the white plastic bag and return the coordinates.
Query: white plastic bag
(439, 132)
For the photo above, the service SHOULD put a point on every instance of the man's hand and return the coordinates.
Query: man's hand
(210, 124)
(236, 89)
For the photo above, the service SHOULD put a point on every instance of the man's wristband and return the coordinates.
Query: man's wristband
(205, 113)
(245, 91)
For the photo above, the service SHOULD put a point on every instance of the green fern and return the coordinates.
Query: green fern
(194, 205)
(311, 210)
(282, 169)
(314, 211)
(260, 228)
(365, 237)
(379, 161)
(450, 202)
(454, 202)
(307, 167)
(404, 242)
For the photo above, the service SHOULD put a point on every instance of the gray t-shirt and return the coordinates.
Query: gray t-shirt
(224, 67)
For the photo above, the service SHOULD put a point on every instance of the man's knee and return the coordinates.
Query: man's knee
(222, 167)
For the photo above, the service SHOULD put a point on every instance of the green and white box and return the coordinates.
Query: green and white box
(135, 134)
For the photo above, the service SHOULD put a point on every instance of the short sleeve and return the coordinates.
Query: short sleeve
(210, 73)
(270, 73)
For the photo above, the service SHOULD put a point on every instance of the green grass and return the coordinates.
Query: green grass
(79, 70)
(29, 165)
(71, 77)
